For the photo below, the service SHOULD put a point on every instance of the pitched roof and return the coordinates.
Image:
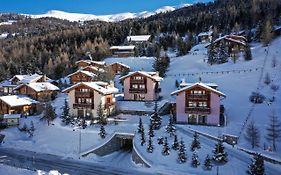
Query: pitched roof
(90, 74)
(41, 86)
(27, 78)
(138, 38)
(124, 65)
(233, 38)
(205, 33)
(97, 86)
(122, 47)
(152, 75)
(212, 85)
(203, 85)
(17, 100)
(91, 61)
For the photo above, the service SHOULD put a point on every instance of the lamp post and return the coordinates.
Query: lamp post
(79, 151)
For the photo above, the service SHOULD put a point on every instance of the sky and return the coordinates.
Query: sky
(98, 7)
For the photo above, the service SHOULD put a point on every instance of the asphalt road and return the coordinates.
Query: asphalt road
(46, 162)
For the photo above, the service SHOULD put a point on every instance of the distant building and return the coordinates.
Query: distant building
(81, 76)
(141, 86)
(122, 51)
(17, 104)
(8, 86)
(138, 40)
(11, 119)
(118, 67)
(85, 98)
(84, 63)
(198, 104)
(233, 43)
(205, 37)
(43, 91)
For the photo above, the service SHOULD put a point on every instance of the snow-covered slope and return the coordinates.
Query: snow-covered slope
(107, 18)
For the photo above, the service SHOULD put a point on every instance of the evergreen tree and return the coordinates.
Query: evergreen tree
(253, 135)
(222, 54)
(195, 161)
(267, 32)
(181, 153)
(166, 149)
(151, 131)
(211, 54)
(248, 53)
(149, 148)
(102, 132)
(273, 130)
(65, 114)
(220, 156)
(175, 145)
(207, 163)
(101, 116)
(155, 119)
(140, 126)
(177, 84)
(170, 128)
(257, 166)
(195, 143)
(49, 113)
(142, 138)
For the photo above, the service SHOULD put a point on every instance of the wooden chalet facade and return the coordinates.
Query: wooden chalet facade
(44, 91)
(198, 104)
(85, 98)
(84, 63)
(118, 67)
(81, 76)
(14, 104)
(122, 51)
(141, 86)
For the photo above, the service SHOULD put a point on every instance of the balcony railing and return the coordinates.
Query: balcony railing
(198, 96)
(198, 110)
(132, 81)
(132, 90)
(83, 94)
(83, 105)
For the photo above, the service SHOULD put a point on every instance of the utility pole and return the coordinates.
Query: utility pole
(79, 151)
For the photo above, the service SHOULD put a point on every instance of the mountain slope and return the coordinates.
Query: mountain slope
(107, 18)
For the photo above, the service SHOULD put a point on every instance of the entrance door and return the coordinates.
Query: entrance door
(80, 113)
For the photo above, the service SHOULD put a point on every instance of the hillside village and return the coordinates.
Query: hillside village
(210, 105)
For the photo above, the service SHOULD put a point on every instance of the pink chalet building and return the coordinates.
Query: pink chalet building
(198, 104)
(141, 86)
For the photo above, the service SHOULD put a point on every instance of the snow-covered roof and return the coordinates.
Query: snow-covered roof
(94, 68)
(27, 78)
(90, 74)
(276, 27)
(12, 116)
(91, 61)
(200, 84)
(122, 47)
(41, 86)
(99, 86)
(212, 85)
(124, 65)
(17, 100)
(138, 38)
(233, 38)
(152, 75)
(205, 33)
(6, 83)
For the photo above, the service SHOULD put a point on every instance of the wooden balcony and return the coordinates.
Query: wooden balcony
(197, 110)
(132, 81)
(132, 90)
(83, 105)
(83, 94)
(198, 96)
(108, 105)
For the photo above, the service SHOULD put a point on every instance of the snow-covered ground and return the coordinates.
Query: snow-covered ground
(8, 170)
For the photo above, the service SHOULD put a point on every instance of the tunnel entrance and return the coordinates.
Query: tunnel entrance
(126, 144)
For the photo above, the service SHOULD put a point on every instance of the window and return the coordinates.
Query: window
(198, 92)
(6, 90)
(202, 119)
(142, 86)
(192, 118)
(202, 104)
(192, 104)
(88, 100)
(138, 78)
(85, 90)
(135, 86)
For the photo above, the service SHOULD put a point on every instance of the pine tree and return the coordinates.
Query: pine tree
(155, 119)
(151, 131)
(267, 79)
(140, 126)
(211, 54)
(195, 143)
(177, 84)
(253, 135)
(149, 148)
(166, 149)
(220, 156)
(170, 128)
(49, 113)
(195, 161)
(102, 132)
(181, 153)
(273, 130)
(142, 138)
(222, 54)
(267, 32)
(257, 166)
(65, 114)
(175, 145)
(32, 128)
(207, 163)
(248, 53)
(101, 116)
